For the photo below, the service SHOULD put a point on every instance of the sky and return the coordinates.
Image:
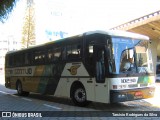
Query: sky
(76, 16)
(109, 13)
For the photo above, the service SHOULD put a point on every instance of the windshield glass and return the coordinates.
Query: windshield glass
(130, 55)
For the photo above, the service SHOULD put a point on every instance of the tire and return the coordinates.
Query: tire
(79, 96)
(20, 91)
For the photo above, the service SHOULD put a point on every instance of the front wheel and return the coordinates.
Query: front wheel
(79, 96)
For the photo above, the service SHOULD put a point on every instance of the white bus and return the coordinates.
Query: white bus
(93, 66)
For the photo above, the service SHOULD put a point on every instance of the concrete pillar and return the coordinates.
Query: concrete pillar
(154, 45)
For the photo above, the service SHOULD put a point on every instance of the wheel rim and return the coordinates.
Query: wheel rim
(80, 95)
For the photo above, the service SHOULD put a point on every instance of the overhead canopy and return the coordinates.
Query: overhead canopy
(148, 25)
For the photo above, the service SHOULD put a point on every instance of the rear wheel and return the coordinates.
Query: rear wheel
(79, 96)
(20, 91)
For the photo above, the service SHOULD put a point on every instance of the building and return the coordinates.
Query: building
(8, 43)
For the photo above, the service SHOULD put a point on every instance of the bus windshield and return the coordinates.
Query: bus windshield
(130, 56)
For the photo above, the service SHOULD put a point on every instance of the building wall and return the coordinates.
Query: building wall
(7, 43)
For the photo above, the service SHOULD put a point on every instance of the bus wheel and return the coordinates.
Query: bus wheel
(20, 90)
(79, 96)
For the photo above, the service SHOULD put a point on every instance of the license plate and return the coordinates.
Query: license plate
(138, 97)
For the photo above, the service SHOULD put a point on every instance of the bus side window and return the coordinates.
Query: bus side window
(27, 59)
(39, 57)
(56, 54)
(73, 51)
(7, 61)
(50, 56)
(53, 54)
(89, 58)
(11, 60)
(69, 51)
(20, 59)
(100, 64)
(64, 54)
(90, 54)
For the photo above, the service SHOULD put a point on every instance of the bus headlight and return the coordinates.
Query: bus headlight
(121, 96)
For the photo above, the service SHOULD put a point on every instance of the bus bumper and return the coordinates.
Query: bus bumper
(130, 94)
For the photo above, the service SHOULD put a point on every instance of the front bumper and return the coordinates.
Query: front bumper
(131, 94)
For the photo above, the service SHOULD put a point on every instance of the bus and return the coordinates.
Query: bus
(87, 67)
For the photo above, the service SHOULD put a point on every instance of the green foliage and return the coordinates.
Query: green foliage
(6, 6)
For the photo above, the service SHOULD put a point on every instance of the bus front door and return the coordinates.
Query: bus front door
(100, 84)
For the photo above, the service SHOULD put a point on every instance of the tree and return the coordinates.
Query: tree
(6, 6)
(28, 32)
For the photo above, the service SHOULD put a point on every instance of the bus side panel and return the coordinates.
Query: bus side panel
(41, 79)
(28, 76)
(31, 84)
(62, 90)
(89, 85)
(50, 78)
(12, 82)
(71, 73)
(65, 84)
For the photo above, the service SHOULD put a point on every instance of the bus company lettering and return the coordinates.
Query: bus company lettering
(10, 72)
(128, 80)
(23, 71)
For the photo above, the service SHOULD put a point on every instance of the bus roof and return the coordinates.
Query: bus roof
(119, 33)
(115, 33)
